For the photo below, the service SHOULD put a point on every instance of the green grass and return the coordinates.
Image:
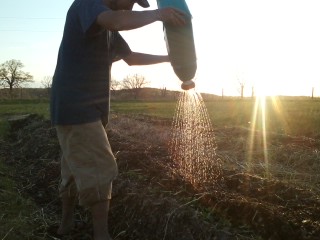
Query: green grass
(293, 116)
(14, 107)
(164, 109)
(10, 108)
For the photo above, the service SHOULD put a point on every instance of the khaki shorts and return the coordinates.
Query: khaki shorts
(88, 165)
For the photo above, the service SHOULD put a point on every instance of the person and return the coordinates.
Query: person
(80, 99)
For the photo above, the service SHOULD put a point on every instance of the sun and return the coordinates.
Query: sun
(263, 90)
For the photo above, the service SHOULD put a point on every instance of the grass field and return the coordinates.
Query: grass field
(292, 116)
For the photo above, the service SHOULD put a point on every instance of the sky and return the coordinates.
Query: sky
(271, 45)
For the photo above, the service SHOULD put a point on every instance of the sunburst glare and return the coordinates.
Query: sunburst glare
(258, 125)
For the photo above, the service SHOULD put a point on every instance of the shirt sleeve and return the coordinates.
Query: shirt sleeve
(120, 48)
(89, 11)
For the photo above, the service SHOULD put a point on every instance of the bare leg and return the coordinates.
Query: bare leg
(67, 221)
(100, 220)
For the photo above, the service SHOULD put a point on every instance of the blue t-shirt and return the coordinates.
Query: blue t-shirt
(80, 86)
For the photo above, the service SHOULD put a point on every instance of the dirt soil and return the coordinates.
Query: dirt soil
(256, 199)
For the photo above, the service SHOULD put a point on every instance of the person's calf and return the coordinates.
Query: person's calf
(99, 213)
(67, 220)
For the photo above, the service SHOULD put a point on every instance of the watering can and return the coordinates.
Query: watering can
(180, 45)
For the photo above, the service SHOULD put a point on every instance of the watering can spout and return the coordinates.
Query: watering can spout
(187, 85)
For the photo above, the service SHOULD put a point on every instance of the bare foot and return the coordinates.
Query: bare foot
(65, 229)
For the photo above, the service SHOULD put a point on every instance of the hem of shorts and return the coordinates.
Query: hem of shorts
(76, 122)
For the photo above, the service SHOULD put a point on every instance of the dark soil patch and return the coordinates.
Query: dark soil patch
(151, 202)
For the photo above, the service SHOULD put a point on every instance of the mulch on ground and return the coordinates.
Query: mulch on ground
(151, 201)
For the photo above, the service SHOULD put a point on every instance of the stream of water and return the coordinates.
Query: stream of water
(193, 145)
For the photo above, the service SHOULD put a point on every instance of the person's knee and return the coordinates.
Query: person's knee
(68, 193)
(90, 196)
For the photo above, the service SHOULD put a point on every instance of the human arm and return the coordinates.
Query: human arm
(136, 58)
(127, 20)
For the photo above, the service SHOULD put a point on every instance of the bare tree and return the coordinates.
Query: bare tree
(12, 76)
(135, 83)
(312, 93)
(46, 83)
(252, 92)
(163, 92)
(242, 85)
(115, 84)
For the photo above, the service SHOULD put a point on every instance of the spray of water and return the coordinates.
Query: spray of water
(192, 144)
